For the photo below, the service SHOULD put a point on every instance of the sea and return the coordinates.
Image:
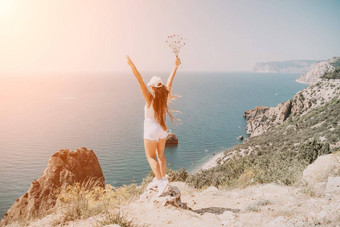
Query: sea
(43, 113)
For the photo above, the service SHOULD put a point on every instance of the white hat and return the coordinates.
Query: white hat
(155, 81)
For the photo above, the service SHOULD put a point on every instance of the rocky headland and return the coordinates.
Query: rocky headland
(261, 118)
(64, 168)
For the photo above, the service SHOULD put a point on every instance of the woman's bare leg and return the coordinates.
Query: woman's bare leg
(150, 153)
(161, 157)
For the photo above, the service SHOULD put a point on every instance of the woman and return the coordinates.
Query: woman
(155, 129)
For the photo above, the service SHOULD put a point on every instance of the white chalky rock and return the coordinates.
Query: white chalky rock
(171, 196)
(333, 185)
(320, 169)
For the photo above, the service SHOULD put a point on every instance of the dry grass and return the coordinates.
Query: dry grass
(245, 179)
(307, 190)
(78, 201)
(116, 218)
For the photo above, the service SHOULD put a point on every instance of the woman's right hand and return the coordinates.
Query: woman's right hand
(178, 61)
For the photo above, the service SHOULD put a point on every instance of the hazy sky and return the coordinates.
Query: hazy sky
(95, 36)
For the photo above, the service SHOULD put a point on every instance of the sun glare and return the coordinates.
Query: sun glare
(5, 6)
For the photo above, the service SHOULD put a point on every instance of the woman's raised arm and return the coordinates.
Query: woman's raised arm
(172, 75)
(146, 94)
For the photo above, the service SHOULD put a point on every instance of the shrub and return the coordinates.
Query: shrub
(180, 175)
(280, 167)
(332, 75)
(311, 150)
(302, 97)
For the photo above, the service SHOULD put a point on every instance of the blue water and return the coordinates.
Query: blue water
(42, 114)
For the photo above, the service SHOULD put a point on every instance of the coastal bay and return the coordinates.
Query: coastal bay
(85, 111)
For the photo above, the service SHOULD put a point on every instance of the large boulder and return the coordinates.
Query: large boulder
(323, 167)
(333, 185)
(64, 168)
(322, 175)
(171, 196)
(171, 139)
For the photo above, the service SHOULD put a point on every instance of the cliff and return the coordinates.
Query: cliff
(262, 119)
(317, 70)
(297, 66)
(283, 140)
(64, 168)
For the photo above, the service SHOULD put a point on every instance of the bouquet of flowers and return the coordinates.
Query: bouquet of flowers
(175, 43)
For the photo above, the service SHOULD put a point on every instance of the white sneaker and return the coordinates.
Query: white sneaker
(166, 177)
(162, 186)
(153, 184)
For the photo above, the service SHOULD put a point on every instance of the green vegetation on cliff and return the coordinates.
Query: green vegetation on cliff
(279, 155)
(332, 75)
(335, 74)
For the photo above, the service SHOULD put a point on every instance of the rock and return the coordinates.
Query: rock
(171, 196)
(171, 139)
(263, 202)
(227, 218)
(334, 145)
(284, 110)
(279, 221)
(333, 185)
(321, 168)
(240, 138)
(261, 119)
(211, 189)
(252, 113)
(252, 208)
(64, 168)
(253, 118)
(255, 207)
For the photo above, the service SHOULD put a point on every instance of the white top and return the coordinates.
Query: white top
(149, 113)
(152, 129)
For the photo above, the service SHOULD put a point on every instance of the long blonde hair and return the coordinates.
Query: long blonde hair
(161, 99)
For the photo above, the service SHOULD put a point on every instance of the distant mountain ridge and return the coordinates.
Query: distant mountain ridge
(293, 66)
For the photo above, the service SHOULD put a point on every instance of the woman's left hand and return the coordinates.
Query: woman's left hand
(130, 63)
(178, 61)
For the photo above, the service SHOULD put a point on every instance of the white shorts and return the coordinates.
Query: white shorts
(153, 131)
